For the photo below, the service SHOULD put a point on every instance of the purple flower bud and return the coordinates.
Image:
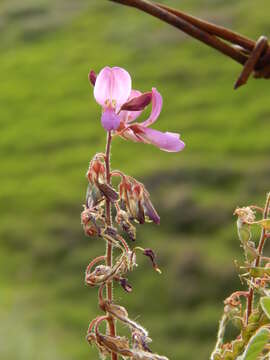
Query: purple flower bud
(150, 253)
(138, 103)
(150, 211)
(92, 77)
(125, 285)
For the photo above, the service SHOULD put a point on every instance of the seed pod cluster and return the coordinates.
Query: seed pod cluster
(132, 205)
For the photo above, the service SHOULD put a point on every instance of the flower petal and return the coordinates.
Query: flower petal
(129, 116)
(137, 103)
(113, 85)
(110, 120)
(165, 141)
(156, 108)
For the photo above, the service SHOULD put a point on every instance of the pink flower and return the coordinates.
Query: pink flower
(121, 106)
(111, 90)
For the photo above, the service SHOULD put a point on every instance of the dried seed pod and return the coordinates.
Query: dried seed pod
(116, 344)
(98, 276)
(98, 187)
(123, 220)
(149, 210)
(144, 355)
(135, 200)
(140, 341)
(92, 221)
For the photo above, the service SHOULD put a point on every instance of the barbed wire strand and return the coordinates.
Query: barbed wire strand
(253, 55)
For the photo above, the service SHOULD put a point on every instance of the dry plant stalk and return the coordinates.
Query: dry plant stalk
(253, 55)
(111, 213)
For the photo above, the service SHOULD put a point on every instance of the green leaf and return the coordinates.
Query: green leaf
(259, 271)
(244, 235)
(256, 344)
(265, 304)
(264, 223)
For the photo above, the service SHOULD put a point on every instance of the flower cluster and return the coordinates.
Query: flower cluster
(112, 212)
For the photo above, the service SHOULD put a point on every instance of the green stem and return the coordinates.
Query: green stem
(258, 259)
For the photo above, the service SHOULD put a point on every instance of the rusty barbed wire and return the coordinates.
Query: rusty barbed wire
(253, 55)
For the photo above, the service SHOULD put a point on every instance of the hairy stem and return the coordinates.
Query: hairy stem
(220, 336)
(258, 259)
(109, 249)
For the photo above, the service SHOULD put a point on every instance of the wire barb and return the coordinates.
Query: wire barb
(254, 56)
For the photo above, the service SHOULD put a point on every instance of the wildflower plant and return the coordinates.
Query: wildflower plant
(112, 213)
(249, 310)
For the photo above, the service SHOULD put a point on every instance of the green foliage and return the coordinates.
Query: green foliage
(50, 129)
(256, 344)
(265, 304)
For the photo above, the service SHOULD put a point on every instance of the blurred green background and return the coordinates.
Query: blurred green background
(50, 128)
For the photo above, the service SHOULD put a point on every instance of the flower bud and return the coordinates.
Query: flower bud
(92, 77)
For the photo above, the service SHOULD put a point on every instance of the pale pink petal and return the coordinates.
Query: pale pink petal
(110, 120)
(112, 85)
(156, 108)
(129, 116)
(165, 141)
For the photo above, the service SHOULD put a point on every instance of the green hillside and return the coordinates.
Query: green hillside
(50, 129)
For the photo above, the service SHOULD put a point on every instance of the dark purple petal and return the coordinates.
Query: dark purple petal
(150, 253)
(129, 116)
(110, 120)
(150, 211)
(138, 102)
(92, 77)
(125, 285)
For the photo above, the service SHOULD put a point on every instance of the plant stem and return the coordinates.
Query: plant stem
(109, 249)
(258, 259)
